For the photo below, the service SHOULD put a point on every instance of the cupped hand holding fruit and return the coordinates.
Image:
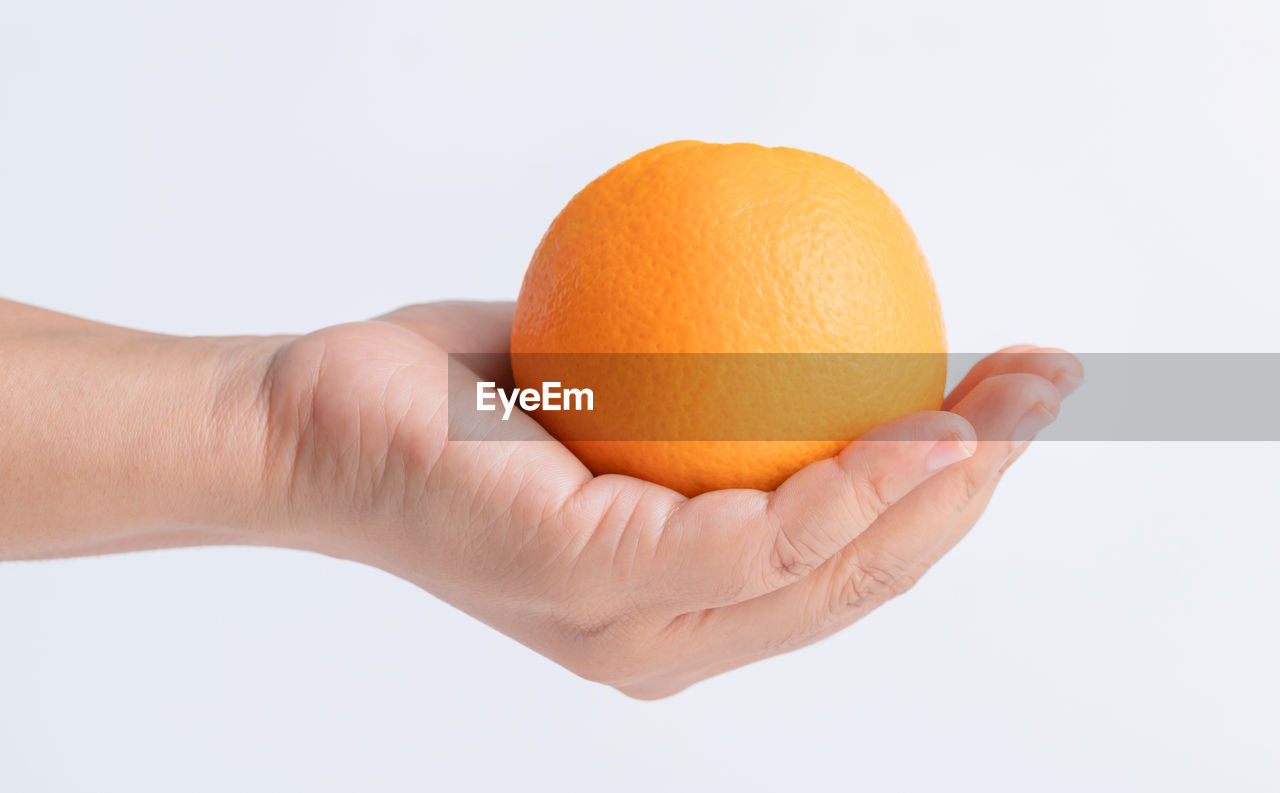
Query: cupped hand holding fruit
(620, 580)
(647, 566)
(338, 442)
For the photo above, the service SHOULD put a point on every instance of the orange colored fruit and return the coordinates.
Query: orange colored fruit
(695, 247)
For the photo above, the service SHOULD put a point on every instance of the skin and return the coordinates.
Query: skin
(336, 442)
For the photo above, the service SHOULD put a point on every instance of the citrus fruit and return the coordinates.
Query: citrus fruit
(734, 249)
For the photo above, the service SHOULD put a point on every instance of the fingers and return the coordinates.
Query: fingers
(959, 528)
(1006, 410)
(880, 561)
(1057, 366)
(763, 541)
(968, 518)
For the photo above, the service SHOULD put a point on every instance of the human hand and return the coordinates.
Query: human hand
(619, 580)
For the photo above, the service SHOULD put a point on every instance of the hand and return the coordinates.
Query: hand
(621, 581)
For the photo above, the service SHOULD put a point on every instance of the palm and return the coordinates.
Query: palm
(366, 404)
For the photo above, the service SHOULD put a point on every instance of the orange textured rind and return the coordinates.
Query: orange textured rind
(695, 247)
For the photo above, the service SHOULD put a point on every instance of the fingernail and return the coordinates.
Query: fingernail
(1037, 418)
(948, 452)
(1066, 383)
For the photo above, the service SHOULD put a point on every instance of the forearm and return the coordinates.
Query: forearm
(115, 439)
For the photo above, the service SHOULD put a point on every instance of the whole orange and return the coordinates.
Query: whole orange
(695, 247)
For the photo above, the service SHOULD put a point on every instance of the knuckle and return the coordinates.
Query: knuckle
(972, 481)
(868, 499)
(790, 559)
(964, 485)
(868, 574)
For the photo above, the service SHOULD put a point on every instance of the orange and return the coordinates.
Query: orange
(695, 247)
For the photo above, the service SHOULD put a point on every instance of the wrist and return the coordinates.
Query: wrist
(120, 440)
(233, 488)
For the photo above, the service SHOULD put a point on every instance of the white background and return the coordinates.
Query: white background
(1099, 176)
